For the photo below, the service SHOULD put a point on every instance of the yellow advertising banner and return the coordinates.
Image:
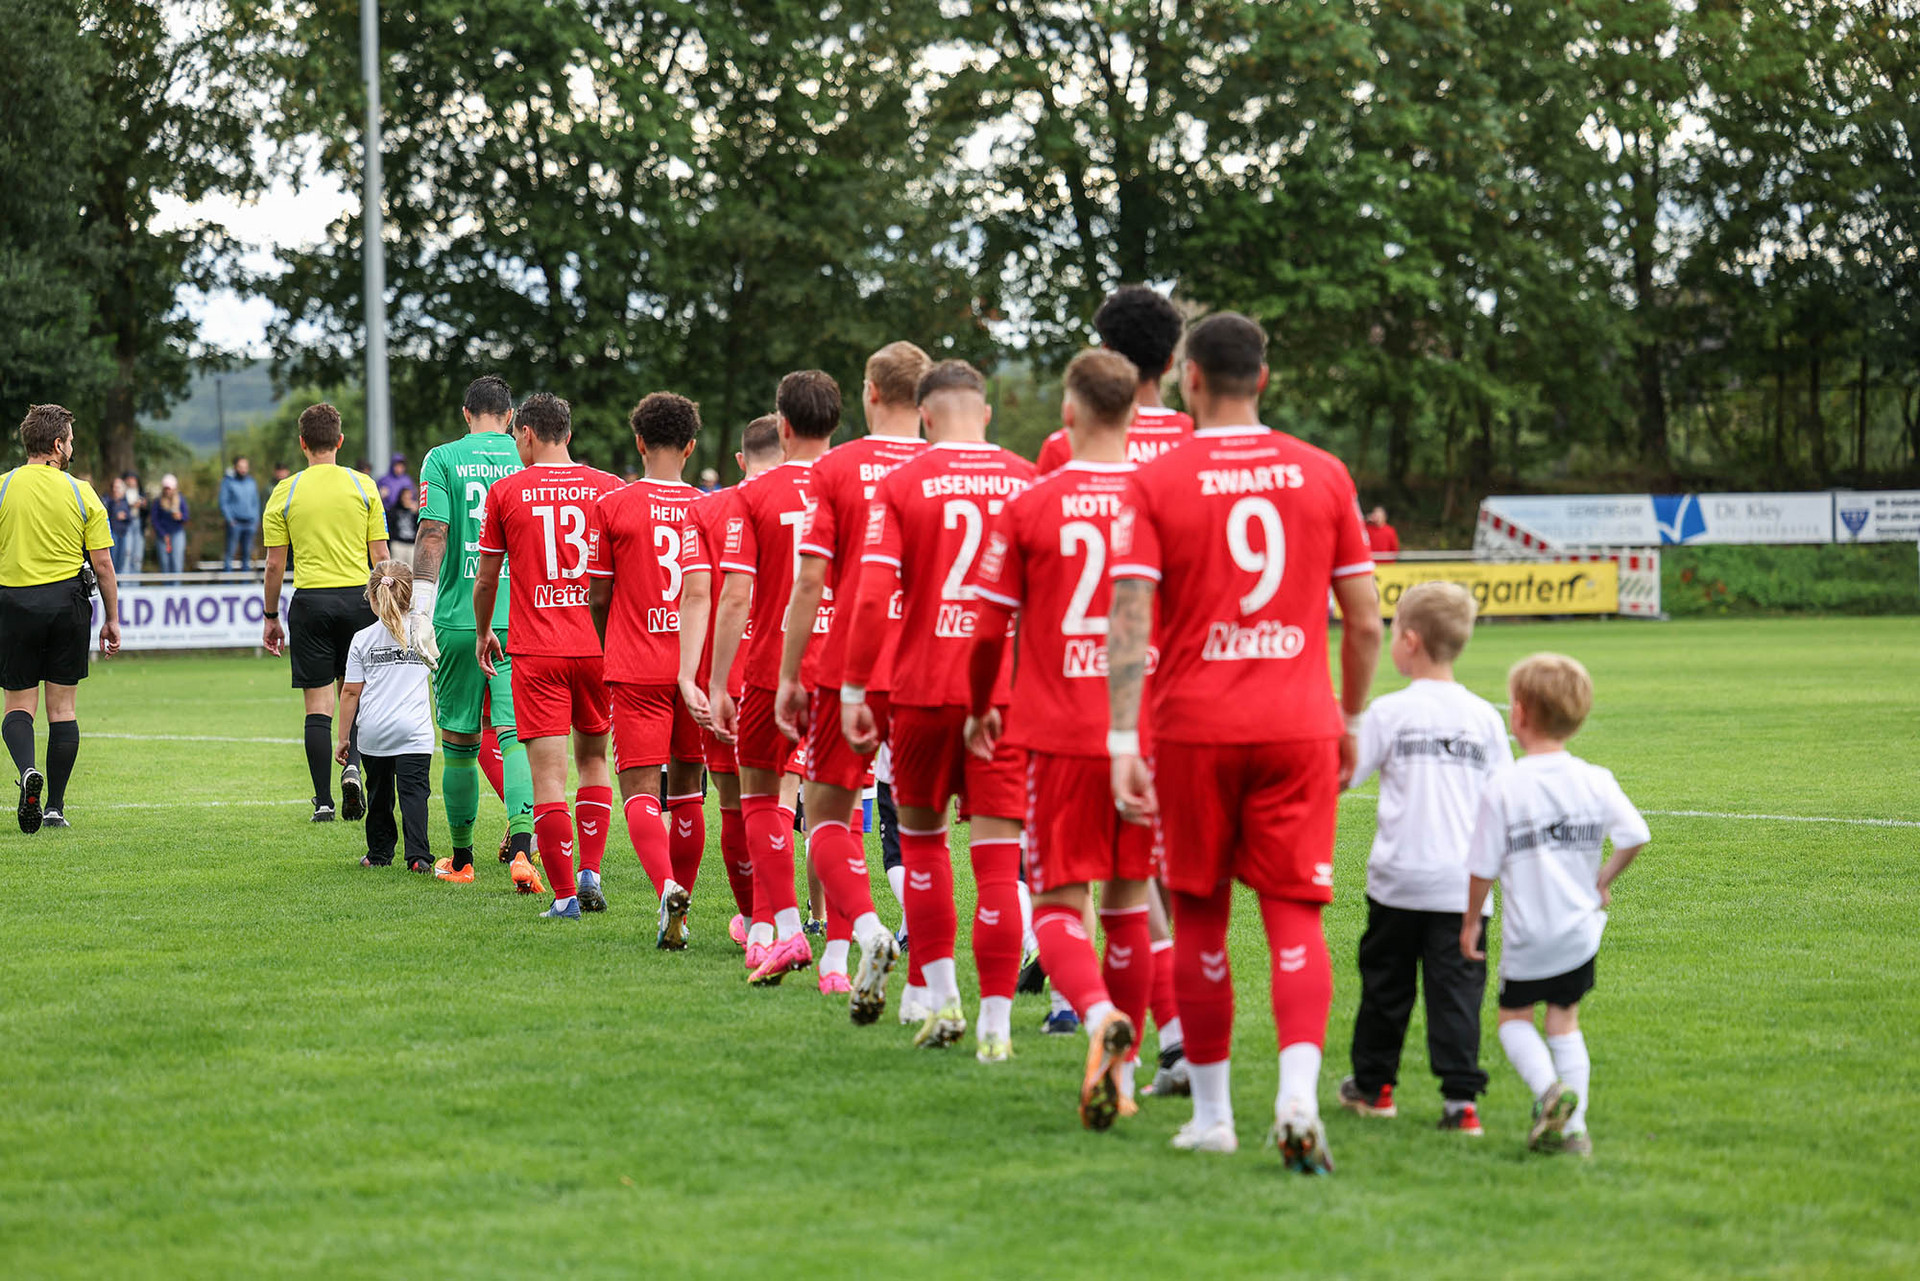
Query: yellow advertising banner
(1525, 588)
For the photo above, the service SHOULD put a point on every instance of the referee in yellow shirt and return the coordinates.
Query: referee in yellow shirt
(331, 519)
(51, 526)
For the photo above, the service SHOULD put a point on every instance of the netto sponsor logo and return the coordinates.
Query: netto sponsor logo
(560, 596)
(1270, 638)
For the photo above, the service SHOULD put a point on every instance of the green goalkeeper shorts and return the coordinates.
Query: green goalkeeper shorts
(460, 688)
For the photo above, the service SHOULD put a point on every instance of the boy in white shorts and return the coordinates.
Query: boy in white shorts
(1542, 827)
(1435, 744)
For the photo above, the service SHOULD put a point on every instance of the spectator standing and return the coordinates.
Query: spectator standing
(1382, 537)
(401, 499)
(170, 515)
(240, 508)
(135, 551)
(119, 517)
(709, 480)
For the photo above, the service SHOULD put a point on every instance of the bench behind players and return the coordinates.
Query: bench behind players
(1241, 534)
(543, 518)
(635, 598)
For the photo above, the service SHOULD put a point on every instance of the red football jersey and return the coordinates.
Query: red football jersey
(930, 519)
(639, 549)
(1155, 430)
(542, 520)
(699, 544)
(761, 539)
(844, 483)
(1048, 560)
(1245, 532)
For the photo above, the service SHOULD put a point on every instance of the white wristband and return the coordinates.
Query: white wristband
(1353, 722)
(1123, 742)
(424, 594)
(853, 694)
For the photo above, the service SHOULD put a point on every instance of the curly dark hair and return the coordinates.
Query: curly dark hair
(1142, 325)
(547, 416)
(663, 420)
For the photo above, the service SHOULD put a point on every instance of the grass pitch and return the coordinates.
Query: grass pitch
(232, 1051)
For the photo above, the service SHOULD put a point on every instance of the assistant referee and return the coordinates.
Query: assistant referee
(51, 527)
(329, 517)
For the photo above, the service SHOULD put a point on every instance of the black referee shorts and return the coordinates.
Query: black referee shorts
(320, 626)
(43, 634)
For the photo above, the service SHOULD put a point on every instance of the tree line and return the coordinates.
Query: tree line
(1542, 242)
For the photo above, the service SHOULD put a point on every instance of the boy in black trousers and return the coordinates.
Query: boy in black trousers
(1434, 745)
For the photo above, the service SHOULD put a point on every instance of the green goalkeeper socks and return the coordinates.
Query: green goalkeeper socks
(516, 778)
(460, 789)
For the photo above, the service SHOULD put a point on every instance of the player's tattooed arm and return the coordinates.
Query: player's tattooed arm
(1129, 627)
(429, 549)
(1129, 624)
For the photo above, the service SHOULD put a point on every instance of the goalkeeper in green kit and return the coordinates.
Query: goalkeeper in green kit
(453, 491)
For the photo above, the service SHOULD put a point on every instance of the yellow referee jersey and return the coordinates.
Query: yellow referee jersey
(49, 521)
(327, 514)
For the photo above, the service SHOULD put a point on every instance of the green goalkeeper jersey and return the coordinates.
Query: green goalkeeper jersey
(454, 481)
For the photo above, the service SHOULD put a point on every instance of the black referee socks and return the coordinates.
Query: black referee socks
(17, 729)
(63, 746)
(320, 756)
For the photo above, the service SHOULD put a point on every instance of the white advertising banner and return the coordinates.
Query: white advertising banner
(1888, 516)
(1582, 520)
(189, 616)
(1744, 518)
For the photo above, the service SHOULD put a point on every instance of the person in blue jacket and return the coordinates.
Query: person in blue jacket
(240, 508)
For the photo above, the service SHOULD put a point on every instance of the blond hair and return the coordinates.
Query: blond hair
(390, 595)
(895, 371)
(1103, 383)
(1440, 614)
(1555, 690)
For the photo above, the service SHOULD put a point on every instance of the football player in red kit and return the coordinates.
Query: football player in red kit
(1048, 563)
(699, 568)
(1239, 536)
(543, 518)
(634, 592)
(1143, 325)
(808, 703)
(929, 520)
(760, 551)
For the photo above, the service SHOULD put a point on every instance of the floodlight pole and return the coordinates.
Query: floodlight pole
(373, 250)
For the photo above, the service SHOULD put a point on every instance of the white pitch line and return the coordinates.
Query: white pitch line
(194, 738)
(187, 805)
(1721, 814)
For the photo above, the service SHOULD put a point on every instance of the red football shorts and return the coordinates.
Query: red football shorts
(761, 745)
(651, 724)
(719, 755)
(931, 766)
(830, 758)
(1075, 835)
(1262, 813)
(554, 695)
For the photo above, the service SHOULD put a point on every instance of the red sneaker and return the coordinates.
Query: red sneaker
(1358, 1102)
(1466, 1121)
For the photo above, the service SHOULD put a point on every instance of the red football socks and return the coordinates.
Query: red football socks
(733, 857)
(932, 921)
(770, 845)
(1160, 1002)
(1302, 972)
(1203, 981)
(1067, 954)
(996, 918)
(593, 815)
(840, 861)
(1127, 965)
(553, 828)
(490, 763)
(649, 839)
(686, 837)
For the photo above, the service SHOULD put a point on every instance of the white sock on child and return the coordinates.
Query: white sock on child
(1529, 1055)
(1576, 1071)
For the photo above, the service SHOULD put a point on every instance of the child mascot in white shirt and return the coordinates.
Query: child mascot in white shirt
(388, 692)
(1434, 744)
(1541, 833)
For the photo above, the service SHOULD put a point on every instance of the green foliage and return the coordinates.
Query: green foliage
(235, 1052)
(1854, 578)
